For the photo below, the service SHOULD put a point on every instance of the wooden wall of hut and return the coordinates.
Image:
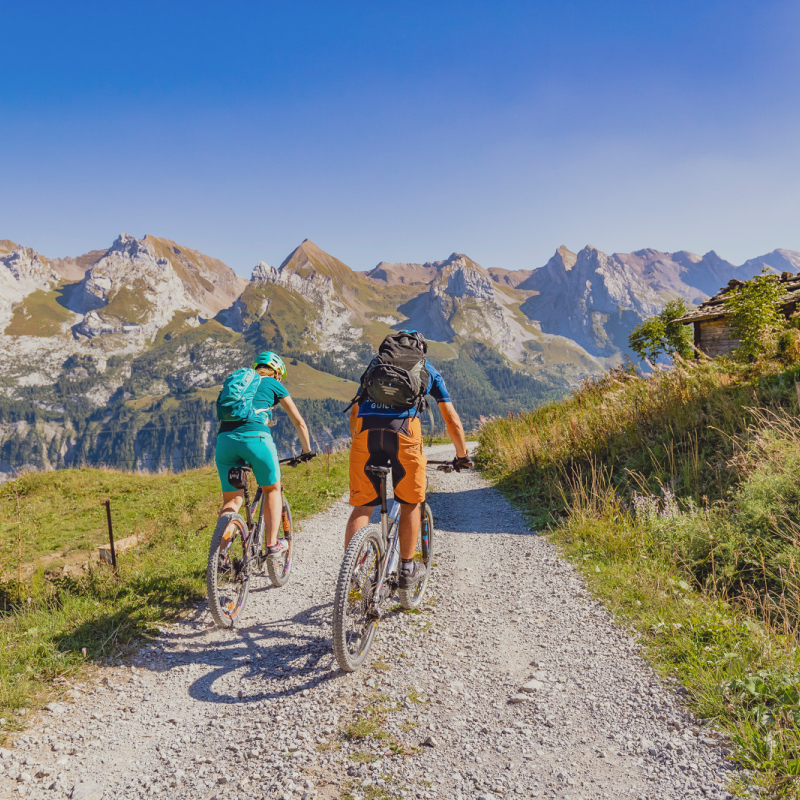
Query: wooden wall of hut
(714, 337)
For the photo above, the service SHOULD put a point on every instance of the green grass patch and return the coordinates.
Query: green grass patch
(364, 726)
(48, 617)
(363, 757)
(39, 315)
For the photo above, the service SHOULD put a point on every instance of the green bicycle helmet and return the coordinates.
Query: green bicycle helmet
(271, 360)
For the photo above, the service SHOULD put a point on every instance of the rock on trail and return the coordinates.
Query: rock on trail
(512, 682)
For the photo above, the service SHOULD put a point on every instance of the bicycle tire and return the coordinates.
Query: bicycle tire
(355, 589)
(411, 598)
(280, 568)
(225, 603)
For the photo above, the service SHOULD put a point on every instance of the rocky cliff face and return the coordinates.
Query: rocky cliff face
(464, 303)
(139, 285)
(777, 261)
(130, 290)
(596, 299)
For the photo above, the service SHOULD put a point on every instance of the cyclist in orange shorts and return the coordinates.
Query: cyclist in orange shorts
(386, 435)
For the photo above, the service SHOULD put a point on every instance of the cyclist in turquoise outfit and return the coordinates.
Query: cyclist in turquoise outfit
(250, 442)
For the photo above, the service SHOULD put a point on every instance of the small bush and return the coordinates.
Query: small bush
(756, 316)
(789, 347)
(662, 334)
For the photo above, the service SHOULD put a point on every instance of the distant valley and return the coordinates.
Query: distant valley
(115, 357)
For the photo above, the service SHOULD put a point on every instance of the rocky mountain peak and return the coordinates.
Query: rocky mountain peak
(264, 272)
(778, 261)
(554, 272)
(308, 260)
(297, 274)
(566, 257)
(467, 279)
(25, 265)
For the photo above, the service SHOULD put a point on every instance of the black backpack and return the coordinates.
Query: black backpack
(398, 376)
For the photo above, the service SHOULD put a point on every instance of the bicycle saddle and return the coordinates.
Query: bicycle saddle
(378, 470)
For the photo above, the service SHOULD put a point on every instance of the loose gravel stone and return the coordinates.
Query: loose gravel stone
(518, 682)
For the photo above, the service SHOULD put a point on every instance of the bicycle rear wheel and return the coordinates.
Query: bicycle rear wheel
(227, 578)
(280, 566)
(411, 598)
(353, 626)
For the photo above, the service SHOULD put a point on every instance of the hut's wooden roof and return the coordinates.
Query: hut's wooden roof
(714, 307)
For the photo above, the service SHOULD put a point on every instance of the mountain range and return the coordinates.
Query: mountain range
(101, 350)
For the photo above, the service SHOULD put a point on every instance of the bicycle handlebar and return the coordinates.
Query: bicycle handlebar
(295, 461)
(446, 466)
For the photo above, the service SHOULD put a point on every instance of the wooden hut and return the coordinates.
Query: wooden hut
(712, 330)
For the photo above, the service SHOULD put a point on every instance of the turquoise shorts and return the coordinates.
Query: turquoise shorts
(236, 449)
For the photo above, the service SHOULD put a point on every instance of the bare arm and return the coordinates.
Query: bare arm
(287, 404)
(353, 419)
(454, 428)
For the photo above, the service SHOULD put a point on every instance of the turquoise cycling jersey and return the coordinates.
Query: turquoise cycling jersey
(240, 443)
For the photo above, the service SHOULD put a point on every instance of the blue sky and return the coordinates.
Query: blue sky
(402, 131)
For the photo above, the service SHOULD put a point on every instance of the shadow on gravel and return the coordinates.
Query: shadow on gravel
(267, 651)
(482, 510)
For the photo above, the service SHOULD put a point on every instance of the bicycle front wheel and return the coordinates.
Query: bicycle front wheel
(411, 598)
(353, 623)
(227, 578)
(280, 566)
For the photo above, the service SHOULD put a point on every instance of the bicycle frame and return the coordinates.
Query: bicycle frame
(391, 553)
(249, 509)
(390, 537)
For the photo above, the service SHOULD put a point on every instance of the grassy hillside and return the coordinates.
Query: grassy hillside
(66, 602)
(678, 496)
(39, 315)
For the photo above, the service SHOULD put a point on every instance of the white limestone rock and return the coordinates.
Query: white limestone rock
(22, 272)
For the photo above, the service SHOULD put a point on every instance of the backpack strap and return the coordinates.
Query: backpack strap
(359, 396)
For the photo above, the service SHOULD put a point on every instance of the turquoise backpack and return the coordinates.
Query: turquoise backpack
(235, 401)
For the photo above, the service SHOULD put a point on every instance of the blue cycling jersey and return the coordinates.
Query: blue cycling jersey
(436, 389)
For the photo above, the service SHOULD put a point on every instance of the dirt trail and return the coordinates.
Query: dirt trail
(261, 712)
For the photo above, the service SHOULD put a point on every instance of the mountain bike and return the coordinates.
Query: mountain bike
(238, 547)
(369, 576)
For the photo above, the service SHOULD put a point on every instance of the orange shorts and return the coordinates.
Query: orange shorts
(381, 442)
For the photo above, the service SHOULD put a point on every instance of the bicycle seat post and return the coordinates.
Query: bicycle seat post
(384, 503)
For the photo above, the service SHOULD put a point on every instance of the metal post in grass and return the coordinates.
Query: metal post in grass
(19, 542)
(107, 504)
(328, 459)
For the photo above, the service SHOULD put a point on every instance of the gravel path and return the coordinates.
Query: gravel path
(512, 682)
